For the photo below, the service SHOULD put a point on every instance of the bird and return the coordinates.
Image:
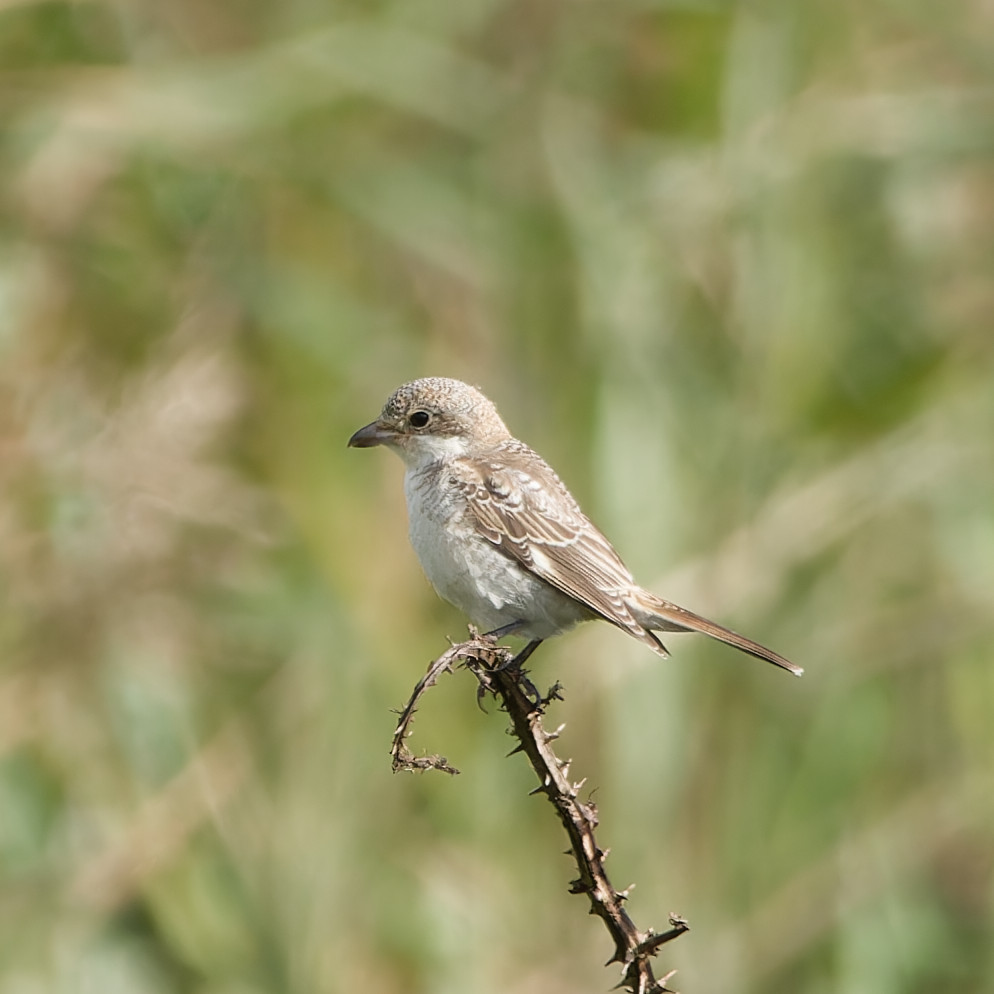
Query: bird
(499, 535)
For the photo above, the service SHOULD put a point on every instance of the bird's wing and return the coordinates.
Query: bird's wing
(520, 505)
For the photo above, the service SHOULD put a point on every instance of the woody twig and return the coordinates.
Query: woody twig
(498, 673)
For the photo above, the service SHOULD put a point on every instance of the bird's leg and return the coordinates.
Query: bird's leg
(499, 633)
(512, 629)
(515, 663)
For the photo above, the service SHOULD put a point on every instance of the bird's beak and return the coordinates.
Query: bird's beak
(376, 433)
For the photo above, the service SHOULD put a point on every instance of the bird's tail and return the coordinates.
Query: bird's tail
(656, 614)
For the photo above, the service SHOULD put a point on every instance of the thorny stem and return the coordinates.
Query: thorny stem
(498, 673)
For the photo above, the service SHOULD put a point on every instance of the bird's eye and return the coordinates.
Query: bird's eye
(418, 419)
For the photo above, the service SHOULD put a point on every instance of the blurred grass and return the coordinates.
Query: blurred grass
(726, 265)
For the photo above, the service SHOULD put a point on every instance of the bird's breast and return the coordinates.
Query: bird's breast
(457, 562)
(469, 571)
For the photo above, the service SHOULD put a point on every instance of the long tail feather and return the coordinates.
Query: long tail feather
(666, 616)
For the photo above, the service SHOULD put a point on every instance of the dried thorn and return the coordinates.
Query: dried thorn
(481, 692)
(577, 787)
(530, 691)
(653, 941)
(663, 981)
(520, 747)
(578, 887)
(622, 895)
(603, 855)
(552, 736)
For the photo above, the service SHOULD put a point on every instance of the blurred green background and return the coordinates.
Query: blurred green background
(727, 265)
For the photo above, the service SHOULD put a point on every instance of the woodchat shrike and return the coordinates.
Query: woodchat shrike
(499, 535)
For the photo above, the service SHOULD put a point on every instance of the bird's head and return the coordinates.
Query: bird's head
(434, 418)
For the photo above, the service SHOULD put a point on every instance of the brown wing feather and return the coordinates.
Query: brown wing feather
(521, 506)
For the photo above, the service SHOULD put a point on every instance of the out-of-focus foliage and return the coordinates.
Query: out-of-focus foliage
(727, 265)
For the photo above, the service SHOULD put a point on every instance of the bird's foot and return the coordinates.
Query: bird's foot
(516, 662)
